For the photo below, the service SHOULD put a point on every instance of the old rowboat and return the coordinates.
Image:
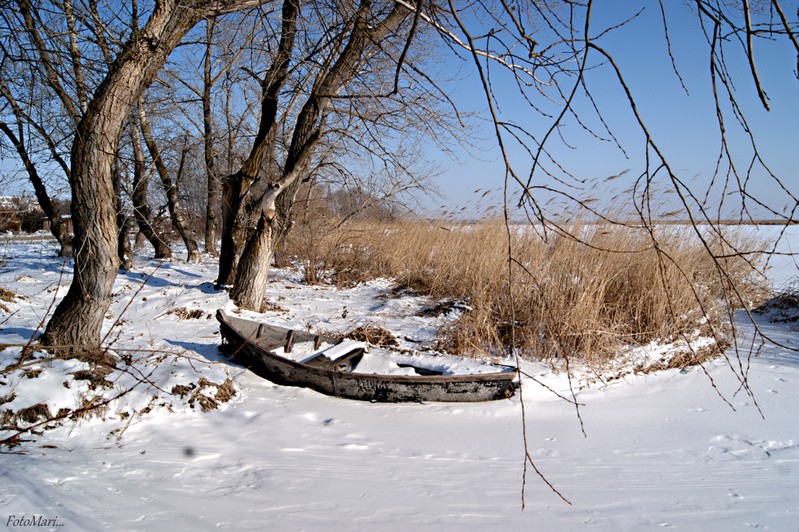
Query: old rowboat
(331, 366)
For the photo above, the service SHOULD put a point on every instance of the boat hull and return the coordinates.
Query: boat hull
(251, 350)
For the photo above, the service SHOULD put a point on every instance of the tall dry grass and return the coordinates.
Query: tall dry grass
(564, 298)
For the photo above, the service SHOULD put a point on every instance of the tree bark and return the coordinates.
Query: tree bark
(78, 318)
(228, 254)
(251, 277)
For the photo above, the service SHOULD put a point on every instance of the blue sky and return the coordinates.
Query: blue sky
(684, 125)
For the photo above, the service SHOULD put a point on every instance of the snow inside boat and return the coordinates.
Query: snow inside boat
(352, 370)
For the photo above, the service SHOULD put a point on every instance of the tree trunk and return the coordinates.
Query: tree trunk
(141, 205)
(124, 252)
(212, 204)
(239, 211)
(139, 240)
(253, 266)
(57, 226)
(78, 318)
(235, 216)
(170, 188)
(233, 238)
(284, 213)
(251, 276)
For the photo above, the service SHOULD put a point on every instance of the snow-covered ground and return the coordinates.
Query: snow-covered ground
(671, 449)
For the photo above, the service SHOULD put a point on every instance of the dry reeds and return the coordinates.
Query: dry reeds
(561, 297)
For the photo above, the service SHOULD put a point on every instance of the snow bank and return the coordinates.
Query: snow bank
(683, 448)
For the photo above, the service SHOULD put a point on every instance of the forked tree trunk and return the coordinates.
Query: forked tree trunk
(252, 274)
(236, 217)
(253, 265)
(77, 320)
(237, 187)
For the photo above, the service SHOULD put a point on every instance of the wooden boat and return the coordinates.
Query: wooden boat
(331, 370)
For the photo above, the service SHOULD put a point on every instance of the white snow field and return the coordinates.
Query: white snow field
(663, 450)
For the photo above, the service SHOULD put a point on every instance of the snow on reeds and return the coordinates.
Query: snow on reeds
(585, 295)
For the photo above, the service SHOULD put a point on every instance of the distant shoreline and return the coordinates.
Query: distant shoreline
(729, 222)
(41, 236)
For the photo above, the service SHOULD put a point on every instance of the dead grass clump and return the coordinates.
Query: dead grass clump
(34, 413)
(181, 390)
(31, 373)
(7, 398)
(788, 299)
(443, 307)
(224, 393)
(268, 306)
(374, 335)
(684, 358)
(783, 307)
(95, 379)
(101, 361)
(6, 419)
(186, 314)
(564, 297)
(8, 296)
(94, 405)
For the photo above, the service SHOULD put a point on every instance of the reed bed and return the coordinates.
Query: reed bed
(559, 296)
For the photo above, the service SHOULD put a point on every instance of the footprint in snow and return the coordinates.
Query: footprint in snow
(726, 447)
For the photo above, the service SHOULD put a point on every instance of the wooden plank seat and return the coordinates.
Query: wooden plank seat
(342, 356)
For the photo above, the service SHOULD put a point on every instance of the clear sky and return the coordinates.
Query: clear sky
(684, 125)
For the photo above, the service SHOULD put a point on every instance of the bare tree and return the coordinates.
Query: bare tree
(239, 184)
(55, 56)
(42, 89)
(77, 320)
(58, 227)
(195, 94)
(213, 186)
(139, 193)
(176, 210)
(342, 101)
